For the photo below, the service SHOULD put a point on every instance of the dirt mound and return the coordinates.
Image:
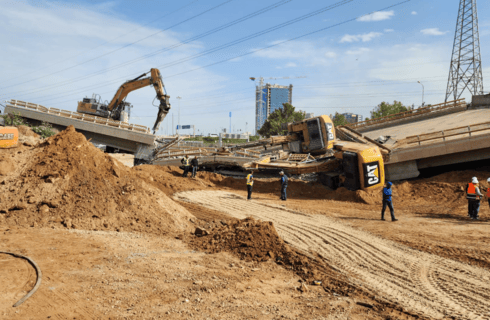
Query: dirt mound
(462, 177)
(170, 181)
(7, 165)
(447, 187)
(71, 182)
(251, 240)
(27, 137)
(258, 241)
(27, 132)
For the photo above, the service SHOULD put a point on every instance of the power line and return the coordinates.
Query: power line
(103, 44)
(273, 45)
(326, 85)
(229, 44)
(285, 41)
(125, 46)
(202, 35)
(331, 84)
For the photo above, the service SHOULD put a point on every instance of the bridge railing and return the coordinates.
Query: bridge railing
(78, 116)
(409, 113)
(466, 130)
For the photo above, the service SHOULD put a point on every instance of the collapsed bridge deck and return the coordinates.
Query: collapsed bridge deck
(120, 135)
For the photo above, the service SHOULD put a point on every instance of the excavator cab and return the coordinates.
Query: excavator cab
(315, 135)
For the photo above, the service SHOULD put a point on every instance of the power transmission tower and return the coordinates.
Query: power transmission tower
(466, 70)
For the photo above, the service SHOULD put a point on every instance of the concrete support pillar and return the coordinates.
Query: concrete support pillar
(401, 170)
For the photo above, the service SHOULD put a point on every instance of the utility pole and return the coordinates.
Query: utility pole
(466, 69)
(423, 89)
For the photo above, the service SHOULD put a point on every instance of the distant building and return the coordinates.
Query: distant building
(307, 115)
(269, 98)
(234, 135)
(352, 118)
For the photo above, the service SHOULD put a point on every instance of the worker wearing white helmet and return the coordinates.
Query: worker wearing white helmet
(473, 195)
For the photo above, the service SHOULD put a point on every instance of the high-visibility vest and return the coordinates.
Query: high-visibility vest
(249, 180)
(186, 161)
(471, 192)
(488, 193)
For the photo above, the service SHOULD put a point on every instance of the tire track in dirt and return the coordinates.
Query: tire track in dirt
(422, 283)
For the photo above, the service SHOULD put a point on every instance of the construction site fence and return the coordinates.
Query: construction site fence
(78, 116)
(410, 113)
(466, 130)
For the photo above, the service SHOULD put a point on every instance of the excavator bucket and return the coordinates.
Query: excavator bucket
(163, 110)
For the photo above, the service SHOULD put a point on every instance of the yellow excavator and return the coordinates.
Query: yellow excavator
(355, 162)
(118, 109)
(9, 137)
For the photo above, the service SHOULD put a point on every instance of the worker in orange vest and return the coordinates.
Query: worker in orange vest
(473, 195)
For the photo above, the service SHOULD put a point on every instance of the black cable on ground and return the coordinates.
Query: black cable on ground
(38, 281)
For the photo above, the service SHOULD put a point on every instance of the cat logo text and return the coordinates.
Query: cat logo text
(371, 174)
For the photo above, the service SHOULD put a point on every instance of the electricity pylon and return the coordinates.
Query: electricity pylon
(466, 69)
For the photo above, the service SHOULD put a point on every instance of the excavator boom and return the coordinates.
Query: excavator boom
(118, 109)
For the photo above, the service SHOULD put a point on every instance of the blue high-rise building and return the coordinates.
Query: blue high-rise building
(352, 118)
(269, 98)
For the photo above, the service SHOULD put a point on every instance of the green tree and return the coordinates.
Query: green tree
(385, 109)
(339, 119)
(273, 124)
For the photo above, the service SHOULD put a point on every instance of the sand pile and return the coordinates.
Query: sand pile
(72, 183)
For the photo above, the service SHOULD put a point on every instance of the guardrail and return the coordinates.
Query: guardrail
(78, 116)
(410, 113)
(466, 130)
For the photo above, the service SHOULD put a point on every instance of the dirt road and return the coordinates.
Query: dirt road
(422, 283)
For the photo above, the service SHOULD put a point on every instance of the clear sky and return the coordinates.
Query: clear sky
(339, 57)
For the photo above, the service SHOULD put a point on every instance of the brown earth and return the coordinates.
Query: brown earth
(124, 261)
(66, 180)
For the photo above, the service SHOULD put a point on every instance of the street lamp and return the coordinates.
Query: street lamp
(178, 119)
(423, 89)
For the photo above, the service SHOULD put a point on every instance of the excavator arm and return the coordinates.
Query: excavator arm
(155, 79)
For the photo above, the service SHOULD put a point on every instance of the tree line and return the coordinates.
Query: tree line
(273, 124)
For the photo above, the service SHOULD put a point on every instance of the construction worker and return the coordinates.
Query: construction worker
(185, 161)
(473, 195)
(284, 185)
(195, 166)
(250, 183)
(387, 201)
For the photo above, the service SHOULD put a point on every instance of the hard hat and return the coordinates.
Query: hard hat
(474, 180)
(282, 172)
(488, 180)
